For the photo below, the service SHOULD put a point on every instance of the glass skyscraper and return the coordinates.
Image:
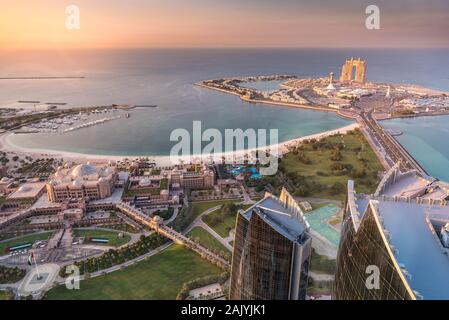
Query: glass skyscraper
(271, 251)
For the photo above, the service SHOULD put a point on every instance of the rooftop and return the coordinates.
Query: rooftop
(407, 186)
(283, 216)
(27, 190)
(417, 247)
(82, 174)
(412, 212)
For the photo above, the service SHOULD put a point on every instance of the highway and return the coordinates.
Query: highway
(395, 152)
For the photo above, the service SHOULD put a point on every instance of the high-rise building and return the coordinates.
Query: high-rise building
(348, 67)
(393, 243)
(272, 250)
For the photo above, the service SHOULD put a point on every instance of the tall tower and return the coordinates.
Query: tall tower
(360, 70)
(271, 251)
(331, 80)
(360, 66)
(346, 70)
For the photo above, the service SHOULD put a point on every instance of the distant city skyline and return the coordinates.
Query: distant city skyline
(201, 23)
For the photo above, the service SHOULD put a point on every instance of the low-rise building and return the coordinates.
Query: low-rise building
(194, 177)
(28, 192)
(84, 181)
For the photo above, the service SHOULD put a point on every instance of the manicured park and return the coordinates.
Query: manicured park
(24, 239)
(200, 207)
(112, 236)
(208, 241)
(187, 215)
(159, 277)
(223, 220)
(322, 168)
(4, 295)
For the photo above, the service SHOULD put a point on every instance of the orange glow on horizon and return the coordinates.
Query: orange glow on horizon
(179, 24)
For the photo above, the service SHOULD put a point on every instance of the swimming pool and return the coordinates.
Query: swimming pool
(236, 170)
(317, 220)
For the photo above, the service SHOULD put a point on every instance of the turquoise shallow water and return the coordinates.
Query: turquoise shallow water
(427, 140)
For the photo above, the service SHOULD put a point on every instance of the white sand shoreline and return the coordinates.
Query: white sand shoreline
(7, 146)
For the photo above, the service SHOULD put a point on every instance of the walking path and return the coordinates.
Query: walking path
(198, 222)
(321, 276)
(173, 217)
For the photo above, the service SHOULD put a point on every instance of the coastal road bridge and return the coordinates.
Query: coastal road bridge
(157, 225)
(394, 150)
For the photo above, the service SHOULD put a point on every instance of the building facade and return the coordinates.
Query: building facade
(196, 178)
(271, 251)
(347, 70)
(392, 244)
(359, 249)
(83, 181)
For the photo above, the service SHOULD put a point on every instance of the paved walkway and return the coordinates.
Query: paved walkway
(321, 276)
(203, 225)
(173, 217)
(198, 222)
(246, 198)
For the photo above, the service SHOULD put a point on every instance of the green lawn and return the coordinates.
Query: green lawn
(4, 295)
(200, 207)
(207, 240)
(187, 215)
(22, 240)
(319, 171)
(161, 277)
(222, 223)
(114, 240)
(141, 192)
(322, 264)
(222, 228)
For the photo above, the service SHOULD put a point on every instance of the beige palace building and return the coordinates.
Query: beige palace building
(83, 181)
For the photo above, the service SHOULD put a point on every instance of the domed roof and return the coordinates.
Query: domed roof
(76, 183)
(83, 170)
(24, 189)
(145, 182)
(108, 171)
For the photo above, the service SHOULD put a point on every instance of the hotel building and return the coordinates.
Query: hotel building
(84, 181)
(271, 251)
(393, 244)
(194, 177)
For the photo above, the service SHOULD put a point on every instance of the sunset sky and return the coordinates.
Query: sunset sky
(28, 24)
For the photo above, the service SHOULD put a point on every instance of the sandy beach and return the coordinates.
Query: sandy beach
(7, 146)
